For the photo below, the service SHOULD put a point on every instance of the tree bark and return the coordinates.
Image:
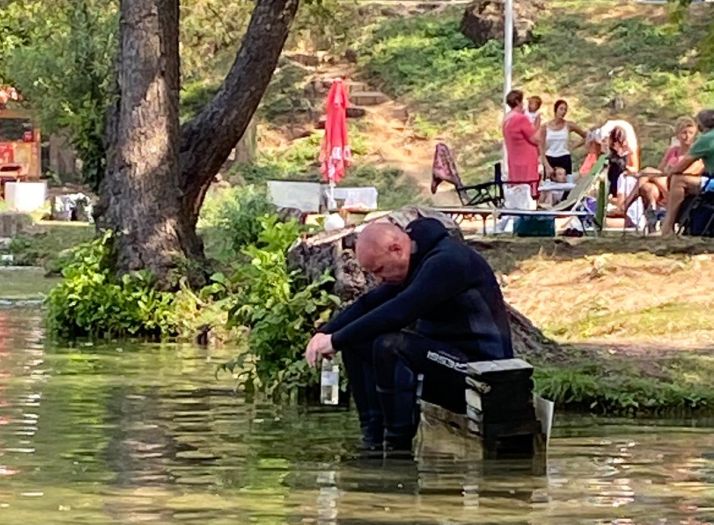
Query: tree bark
(158, 174)
(140, 195)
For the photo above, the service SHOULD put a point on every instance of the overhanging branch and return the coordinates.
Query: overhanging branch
(207, 140)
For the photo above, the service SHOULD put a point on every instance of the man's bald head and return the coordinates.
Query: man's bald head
(384, 249)
(376, 237)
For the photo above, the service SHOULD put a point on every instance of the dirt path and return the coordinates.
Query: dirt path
(397, 145)
(392, 142)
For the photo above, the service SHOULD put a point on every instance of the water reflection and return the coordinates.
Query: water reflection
(144, 434)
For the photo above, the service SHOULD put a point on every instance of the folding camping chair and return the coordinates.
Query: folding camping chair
(582, 187)
(696, 216)
(444, 170)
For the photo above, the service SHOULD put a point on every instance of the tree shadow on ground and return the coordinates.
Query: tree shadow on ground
(506, 254)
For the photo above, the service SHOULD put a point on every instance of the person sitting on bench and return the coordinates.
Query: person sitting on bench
(439, 307)
(682, 182)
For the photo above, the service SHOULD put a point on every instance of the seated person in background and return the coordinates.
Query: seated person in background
(686, 176)
(559, 175)
(443, 289)
(594, 148)
(550, 198)
(621, 175)
(633, 144)
(597, 139)
(652, 186)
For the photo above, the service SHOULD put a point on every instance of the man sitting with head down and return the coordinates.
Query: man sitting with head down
(439, 306)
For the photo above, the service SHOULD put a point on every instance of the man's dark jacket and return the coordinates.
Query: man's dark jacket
(450, 295)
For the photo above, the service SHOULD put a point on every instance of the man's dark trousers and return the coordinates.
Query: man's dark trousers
(383, 378)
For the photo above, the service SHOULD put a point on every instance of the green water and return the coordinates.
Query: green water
(145, 434)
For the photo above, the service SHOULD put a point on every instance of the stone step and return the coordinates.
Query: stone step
(352, 112)
(356, 87)
(304, 59)
(399, 113)
(356, 112)
(368, 98)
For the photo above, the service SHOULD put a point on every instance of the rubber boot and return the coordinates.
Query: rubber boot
(363, 385)
(400, 410)
(372, 426)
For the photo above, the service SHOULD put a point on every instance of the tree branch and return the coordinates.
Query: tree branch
(207, 140)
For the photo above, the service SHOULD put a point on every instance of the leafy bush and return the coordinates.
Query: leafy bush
(92, 301)
(325, 24)
(278, 307)
(234, 218)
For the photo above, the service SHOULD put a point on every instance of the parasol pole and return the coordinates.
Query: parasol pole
(331, 202)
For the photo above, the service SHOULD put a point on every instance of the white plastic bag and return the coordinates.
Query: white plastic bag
(518, 197)
(334, 222)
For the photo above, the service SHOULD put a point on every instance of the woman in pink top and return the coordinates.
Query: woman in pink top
(522, 144)
(654, 187)
(687, 183)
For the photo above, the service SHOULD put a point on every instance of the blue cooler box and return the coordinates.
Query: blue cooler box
(534, 226)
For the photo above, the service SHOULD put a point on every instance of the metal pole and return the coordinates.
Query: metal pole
(507, 49)
(507, 68)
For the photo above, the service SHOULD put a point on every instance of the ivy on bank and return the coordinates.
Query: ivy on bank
(280, 309)
(271, 308)
(92, 301)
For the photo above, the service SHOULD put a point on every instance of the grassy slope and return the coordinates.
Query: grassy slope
(619, 355)
(587, 52)
(633, 318)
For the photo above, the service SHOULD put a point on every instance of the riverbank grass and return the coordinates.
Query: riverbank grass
(630, 317)
(47, 242)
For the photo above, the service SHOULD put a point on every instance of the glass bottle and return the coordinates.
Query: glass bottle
(329, 382)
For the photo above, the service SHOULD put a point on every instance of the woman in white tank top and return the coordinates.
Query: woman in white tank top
(555, 139)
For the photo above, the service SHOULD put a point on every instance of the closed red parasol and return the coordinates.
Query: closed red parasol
(335, 155)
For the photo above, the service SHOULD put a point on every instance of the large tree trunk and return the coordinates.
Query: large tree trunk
(157, 174)
(140, 195)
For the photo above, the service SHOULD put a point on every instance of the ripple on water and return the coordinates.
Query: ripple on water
(147, 435)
